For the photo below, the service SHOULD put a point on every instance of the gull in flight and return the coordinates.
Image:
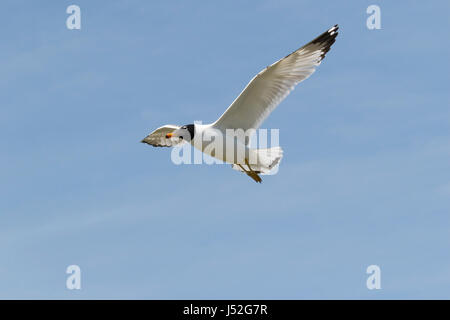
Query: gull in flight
(247, 112)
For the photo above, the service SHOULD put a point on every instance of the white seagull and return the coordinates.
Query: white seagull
(255, 103)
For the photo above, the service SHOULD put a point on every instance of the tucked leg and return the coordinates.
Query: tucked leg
(252, 174)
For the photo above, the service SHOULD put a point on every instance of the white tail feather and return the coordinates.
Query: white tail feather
(267, 159)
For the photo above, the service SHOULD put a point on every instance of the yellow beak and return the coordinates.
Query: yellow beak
(169, 135)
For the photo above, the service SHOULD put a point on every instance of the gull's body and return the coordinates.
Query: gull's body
(247, 112)
(209, 132)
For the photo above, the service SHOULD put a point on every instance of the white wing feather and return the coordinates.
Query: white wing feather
(269, 87)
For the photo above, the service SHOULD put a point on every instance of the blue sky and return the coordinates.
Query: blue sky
(365, 177)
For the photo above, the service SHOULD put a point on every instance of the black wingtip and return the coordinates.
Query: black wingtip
(327, 39)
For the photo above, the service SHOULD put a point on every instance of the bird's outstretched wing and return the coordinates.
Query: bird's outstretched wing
(269, 87)
(158, 137)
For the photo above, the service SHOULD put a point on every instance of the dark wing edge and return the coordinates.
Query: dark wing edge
(322, 42)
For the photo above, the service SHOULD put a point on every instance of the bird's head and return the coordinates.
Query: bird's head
(186, 133)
